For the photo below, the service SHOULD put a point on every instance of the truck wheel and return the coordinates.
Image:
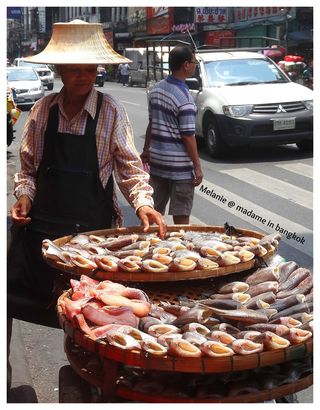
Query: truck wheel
(305, 146)
(215, 146)
(50, 86)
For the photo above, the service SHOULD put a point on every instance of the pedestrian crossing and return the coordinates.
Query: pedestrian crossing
(275, 186)
(298, 168)
(250, 211)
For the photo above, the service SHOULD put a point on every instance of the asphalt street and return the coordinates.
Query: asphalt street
(275, 184)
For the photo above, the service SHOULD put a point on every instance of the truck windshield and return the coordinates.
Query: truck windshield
(242, 72)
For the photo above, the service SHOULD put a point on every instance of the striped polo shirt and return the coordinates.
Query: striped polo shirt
(172, 114)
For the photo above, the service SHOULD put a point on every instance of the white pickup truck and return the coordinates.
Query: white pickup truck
(244, 98)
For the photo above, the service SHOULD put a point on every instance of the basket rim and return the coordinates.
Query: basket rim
(150, 276)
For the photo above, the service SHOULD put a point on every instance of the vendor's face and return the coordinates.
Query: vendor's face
(78, 79)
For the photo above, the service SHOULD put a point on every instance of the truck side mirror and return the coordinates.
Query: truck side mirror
(193, 83)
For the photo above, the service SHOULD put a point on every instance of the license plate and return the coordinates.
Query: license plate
(284, 124)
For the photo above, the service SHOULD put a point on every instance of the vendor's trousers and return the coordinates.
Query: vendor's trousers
(30, 281)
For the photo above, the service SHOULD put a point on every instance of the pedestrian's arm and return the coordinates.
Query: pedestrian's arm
(190, 145)
(145, 153)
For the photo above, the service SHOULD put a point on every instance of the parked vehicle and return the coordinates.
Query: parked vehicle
(45, 73)
(101, 76)
(26, 84)
(243, 98)
(146, 67)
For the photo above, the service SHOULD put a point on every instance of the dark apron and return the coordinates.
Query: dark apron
(69, 199)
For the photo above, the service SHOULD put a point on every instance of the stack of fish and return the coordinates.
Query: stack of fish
(180, 251)
(271, 308)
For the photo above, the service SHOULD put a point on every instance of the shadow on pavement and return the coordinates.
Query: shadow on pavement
(22, 394)
(256, 154)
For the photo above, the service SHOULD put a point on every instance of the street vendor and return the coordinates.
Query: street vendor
(73, 143)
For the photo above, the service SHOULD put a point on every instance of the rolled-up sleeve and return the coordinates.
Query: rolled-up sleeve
(132, 180)
(24, 181)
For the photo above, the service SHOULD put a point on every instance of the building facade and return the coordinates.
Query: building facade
(29, 28)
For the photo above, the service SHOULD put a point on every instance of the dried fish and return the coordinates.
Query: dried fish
(214, 348)
(222, 337)
(194, 337)
(285, 269)
(196, 327)
(153, 347)
(268, 286)
(163, 328)
(272, 341)
(297, 335)
(151, 265)
(183, 264)
(262, 275)
(241, 315)
(246, 346)
(107, 263)
(195, 314)
(205, 263)
(183, 348)
(294, 279)
(122, 340)
(233, 287)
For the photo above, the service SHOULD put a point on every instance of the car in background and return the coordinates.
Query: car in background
(243, 98)
(26, 84)
(45, 73)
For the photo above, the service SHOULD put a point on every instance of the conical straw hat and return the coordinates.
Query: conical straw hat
(78, 42)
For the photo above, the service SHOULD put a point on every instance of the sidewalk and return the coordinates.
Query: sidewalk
(21, 390)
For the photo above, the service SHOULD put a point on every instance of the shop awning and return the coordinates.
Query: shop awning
(305, 36)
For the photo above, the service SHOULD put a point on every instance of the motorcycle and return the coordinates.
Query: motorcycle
(100, 77)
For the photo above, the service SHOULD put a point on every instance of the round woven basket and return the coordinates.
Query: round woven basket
(180, 364)
(97, 379)
(123, 276)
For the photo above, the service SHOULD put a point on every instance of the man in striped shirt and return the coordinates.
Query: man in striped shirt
(170, 146)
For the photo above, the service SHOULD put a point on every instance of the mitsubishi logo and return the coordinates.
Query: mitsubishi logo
(280, 109)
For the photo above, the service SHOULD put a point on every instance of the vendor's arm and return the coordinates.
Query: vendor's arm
(20, 211)
(24, 180)
(133, 181)
(30, 156)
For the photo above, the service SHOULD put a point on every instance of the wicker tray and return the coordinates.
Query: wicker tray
(97, 380)
(170, 363)
(150, 276)
(258, 397)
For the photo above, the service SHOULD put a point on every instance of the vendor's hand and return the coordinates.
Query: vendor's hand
(148, 216)
(198, 176)
(20, 211)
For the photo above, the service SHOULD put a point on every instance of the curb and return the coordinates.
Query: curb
(22, 390)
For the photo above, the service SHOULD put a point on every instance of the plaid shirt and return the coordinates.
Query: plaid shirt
(115, 148)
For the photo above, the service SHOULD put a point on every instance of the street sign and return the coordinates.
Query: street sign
(14, 13)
